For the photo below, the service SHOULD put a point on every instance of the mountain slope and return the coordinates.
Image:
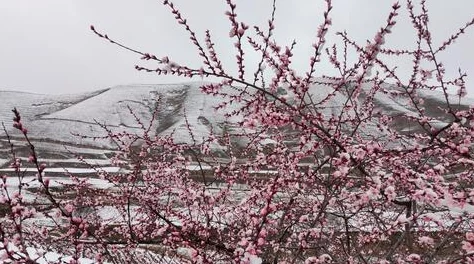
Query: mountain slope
(55, 119)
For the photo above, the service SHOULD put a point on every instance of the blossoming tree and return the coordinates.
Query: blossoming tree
(313, 170)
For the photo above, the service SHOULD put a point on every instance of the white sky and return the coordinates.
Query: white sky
(47, 47)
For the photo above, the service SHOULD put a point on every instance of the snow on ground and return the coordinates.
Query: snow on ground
(66, 170)
(53, 257)
(439, 96)
(397, 105)
(54, 117)
(41, 257)
(109, 107)
(30, 182)
(31, 105)
(200, 114)
(4, 162)
(93, 162)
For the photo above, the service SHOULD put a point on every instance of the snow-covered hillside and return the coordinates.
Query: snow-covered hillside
(59, 117)
(54, 119)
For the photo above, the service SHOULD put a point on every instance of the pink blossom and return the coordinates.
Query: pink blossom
(323, 172)
(470, 236)
(425, 240)
(468, 246)
(413, 258)
(69, 208)
(390, 192)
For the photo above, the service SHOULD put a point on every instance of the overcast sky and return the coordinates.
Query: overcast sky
(47, 47)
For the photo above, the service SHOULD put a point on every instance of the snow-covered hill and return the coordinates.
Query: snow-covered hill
(54, 119)
(57, 118)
